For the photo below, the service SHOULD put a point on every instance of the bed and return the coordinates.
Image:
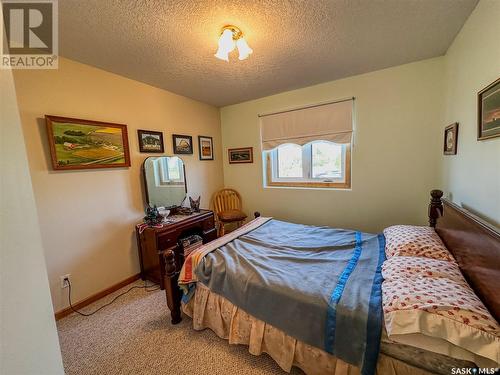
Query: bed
(251, 289)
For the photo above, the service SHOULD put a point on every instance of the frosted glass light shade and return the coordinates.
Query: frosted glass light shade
(226, 45)
(243, 48)
(222, 55)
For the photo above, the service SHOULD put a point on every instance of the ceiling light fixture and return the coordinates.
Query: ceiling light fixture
(231, 37)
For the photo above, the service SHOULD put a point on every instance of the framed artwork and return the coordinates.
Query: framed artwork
(183, 144)
(450, 139)
(84, 144)
(240, 155)
(488, 111)
(150, 141)
(206, 147)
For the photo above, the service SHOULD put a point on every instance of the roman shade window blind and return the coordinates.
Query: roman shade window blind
(329, 122)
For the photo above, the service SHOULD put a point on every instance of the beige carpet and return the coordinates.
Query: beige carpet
(134, 336)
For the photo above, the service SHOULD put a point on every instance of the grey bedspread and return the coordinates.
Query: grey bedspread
(320, 285)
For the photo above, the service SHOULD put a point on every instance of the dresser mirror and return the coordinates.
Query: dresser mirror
(165, 181)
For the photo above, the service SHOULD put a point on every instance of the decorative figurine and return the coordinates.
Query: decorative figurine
(195, 204)
(152, 217)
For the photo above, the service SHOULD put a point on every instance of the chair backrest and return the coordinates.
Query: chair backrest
(226, 199)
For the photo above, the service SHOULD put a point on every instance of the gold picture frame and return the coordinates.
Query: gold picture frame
(85, 144)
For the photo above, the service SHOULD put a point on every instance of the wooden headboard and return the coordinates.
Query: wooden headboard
(474, 243)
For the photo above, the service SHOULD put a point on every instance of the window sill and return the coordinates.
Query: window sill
(310, 185)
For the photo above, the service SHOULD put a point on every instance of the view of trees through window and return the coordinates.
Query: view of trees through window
(316, 160)
(289, 161)
(326, 160)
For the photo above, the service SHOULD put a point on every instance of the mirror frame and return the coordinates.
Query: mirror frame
(143, 168)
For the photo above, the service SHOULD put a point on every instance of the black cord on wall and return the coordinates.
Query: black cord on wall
(145, 286)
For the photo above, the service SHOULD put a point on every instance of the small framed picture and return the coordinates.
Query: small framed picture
(488, 111)
(150, 141)
(206, 147)
(240, 155)
(450, 139)
(183, 144)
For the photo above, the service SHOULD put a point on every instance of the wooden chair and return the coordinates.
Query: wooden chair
(227, 209)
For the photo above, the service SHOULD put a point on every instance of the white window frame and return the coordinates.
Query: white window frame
(165, 176)
(273, 180)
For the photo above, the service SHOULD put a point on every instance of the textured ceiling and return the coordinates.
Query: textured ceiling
(170, 44)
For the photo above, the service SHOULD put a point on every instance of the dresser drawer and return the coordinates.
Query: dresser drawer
(167, 240)
(209, 235)
(208, 224)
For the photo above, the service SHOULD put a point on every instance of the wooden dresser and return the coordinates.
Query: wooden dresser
(153, 243)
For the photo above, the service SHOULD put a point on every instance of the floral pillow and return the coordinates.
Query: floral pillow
(403, 267)
(431, 297)
(409, 240)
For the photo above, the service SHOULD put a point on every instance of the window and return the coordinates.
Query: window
(170, 171)
(309, 146)
(316, 164)
(289, 163)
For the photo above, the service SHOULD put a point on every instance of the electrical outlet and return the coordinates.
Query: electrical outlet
(65, 280)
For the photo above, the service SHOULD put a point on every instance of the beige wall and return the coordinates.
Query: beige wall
(28, 337)
(394, 161)
(473, 62)
(87, 217)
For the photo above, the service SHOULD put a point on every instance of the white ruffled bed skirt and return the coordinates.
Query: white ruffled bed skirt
(209, 310)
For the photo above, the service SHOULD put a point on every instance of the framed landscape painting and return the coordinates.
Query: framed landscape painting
(240, 155)
(183, 144)
(150, 141)
(84, 144)
(488, 108)
(206, 147)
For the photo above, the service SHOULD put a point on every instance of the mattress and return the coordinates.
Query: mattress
(421, 358)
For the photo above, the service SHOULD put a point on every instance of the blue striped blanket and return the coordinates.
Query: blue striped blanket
(320, 285)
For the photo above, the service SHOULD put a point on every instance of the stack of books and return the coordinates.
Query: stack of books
(190, 243)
